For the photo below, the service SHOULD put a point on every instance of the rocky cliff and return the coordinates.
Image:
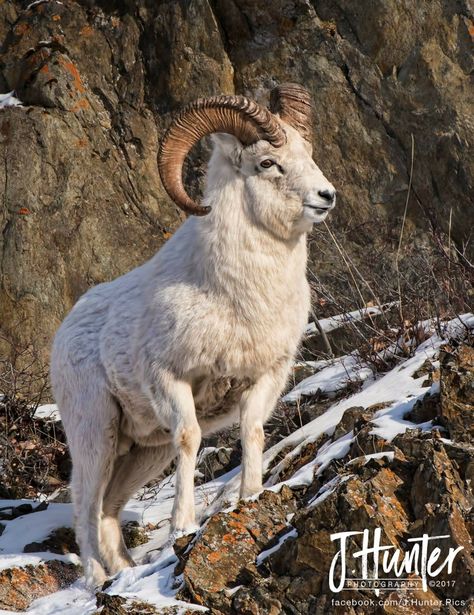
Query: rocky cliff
(98, 79)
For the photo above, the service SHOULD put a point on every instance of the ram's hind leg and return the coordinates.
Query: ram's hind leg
(92, 442)
(131, 471)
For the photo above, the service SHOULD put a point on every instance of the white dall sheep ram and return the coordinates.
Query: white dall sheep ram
(204, 333)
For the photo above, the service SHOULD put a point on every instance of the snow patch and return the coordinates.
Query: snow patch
(341, 320)
(261, 557)
(385, 454)
(20, 560)
(32, 4)
(48, 412)
(327, 489)
(332, 378)
(9, 100)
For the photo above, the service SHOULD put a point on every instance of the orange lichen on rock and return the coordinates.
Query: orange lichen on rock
(470, 29)
(237, 525)
(20, 586)
(216, 555)
(80, 105)
(86, 31)
(230, 542)
(72, 70)
(21, 28)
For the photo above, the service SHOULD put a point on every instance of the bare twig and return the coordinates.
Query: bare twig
(323, 334)
(397, 259)
(341, 252)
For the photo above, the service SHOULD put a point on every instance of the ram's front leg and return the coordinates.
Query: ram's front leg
(256, 406)
(179, 403)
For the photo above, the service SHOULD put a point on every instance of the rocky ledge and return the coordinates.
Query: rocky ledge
(273, 555)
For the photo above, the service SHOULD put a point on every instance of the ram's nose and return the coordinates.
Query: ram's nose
(328, 195)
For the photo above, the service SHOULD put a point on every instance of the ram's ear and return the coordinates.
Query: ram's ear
(229, 145)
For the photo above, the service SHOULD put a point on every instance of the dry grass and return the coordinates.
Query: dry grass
(33, 453)
(424, 272)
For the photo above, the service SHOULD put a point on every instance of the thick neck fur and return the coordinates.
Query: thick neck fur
(237, 253)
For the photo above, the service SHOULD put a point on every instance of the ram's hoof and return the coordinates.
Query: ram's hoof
(179, 532)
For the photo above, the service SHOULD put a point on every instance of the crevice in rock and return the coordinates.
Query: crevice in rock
(8, 220)
(346, 72)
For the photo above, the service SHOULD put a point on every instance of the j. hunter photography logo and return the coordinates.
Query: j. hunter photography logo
(381, 567)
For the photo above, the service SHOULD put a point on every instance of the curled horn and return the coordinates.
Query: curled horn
(236, 115)
(293, 103)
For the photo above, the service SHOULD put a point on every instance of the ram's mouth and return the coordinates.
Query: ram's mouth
(317, 209)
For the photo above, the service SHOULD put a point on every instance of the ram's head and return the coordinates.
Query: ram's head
(270, 148)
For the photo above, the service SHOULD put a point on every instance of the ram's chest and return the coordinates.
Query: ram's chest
(253, 345)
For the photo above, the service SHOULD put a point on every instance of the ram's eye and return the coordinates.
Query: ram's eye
(267, 163)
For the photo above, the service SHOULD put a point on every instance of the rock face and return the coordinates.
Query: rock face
(457, 391)
(20, 586)
(420, 492)
(226, 550)
(82, 201)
